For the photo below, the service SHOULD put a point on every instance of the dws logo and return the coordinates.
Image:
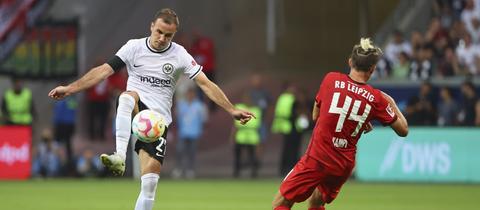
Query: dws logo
(426, 158)
(156, 82)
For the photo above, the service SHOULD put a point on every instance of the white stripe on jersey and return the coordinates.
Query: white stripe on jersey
(153, 75)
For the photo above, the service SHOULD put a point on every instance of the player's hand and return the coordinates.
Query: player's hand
(59, 92)
(368, 127)
(243, 116)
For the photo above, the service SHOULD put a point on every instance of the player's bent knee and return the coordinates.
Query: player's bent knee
(279, 200)
(131, 93)
(316, 199)
(127, 99)
(126, 104)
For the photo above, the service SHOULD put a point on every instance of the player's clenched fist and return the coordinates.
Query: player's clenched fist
(59, 92)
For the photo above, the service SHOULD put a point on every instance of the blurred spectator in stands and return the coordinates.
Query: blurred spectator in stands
(468, 113)
(401, 69)
(17, 104)
(98, 106)
(304, 121)
(383, 69)
(262, 99)
(471, 18)
(88, 165)
(421, 67)
(203, 51)
(435, 31)
(449, 66)
(420, 109)
(117, 83)
(285, 123)
(447, 108)
(468, 55)
(46, 161)
(191, 116)
(246, 138)
(445, 14)
(446, 8)
(64, 115)
(396, 46)
(457, 32)
(416, 42)
(440, 47)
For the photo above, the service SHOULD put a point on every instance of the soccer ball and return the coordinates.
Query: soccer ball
(148, 126)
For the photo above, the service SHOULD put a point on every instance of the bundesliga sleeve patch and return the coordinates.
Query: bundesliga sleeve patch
(390, 111)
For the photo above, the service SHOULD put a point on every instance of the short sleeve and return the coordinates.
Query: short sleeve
(190, 67)
(126, 52)
(321, 90)
(384, 112)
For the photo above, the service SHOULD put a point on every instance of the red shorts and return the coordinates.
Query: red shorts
(307, 175)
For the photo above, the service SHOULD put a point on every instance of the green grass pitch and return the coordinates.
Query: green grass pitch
(226, 194)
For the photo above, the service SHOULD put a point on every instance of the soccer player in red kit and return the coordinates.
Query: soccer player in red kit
(343, 109)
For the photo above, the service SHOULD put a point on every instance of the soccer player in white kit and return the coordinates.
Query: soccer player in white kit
(154, 64)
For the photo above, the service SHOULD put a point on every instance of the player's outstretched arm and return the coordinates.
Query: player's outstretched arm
(400, 126)
(92, 77)
(216, 95)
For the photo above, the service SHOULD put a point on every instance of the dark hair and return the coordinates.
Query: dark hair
(365, 55)
(168, 16)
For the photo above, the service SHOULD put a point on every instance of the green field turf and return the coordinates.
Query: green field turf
(120, 194)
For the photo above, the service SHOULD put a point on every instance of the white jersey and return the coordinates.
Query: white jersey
(153, 74)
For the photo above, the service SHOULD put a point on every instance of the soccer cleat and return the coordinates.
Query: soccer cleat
(114, 163)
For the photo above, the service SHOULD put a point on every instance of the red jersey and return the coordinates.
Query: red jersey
(345, 108)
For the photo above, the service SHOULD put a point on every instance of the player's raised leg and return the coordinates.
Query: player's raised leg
(127, 105)
(150, 170)
(280, 203)
(315, 201)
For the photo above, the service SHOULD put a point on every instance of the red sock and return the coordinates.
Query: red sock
(319, 208)
(282, 208)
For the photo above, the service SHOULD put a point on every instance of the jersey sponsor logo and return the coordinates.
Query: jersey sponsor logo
(339, 142)
(137, 65)
(10, 154)
(194, 63)
(167, 68)
(156, 82)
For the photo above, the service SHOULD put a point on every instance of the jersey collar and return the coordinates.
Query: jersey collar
(156, 51)
(359, 83)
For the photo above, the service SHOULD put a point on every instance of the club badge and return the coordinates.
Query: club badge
(167, 68)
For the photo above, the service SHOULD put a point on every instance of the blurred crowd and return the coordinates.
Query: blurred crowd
(444, 106)
(450, 46)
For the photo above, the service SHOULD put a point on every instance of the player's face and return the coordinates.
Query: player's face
(161, 34)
